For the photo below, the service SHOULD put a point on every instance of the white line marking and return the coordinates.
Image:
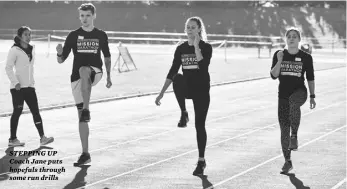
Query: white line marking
(339, 184)
(120, 123)
(162, 115)
(191, 151)
(147, 137)
(150, 117)
(165, 132)
(269, 160)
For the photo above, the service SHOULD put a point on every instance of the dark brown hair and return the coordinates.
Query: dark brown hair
(20, 32)
(87, 6)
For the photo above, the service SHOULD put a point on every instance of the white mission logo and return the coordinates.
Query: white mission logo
(87, 45)
(291, 68)
(189, 61)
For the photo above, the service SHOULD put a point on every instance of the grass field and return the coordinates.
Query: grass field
(153, 62)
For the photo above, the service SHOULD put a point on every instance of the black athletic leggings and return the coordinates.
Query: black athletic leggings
(29, 96)
(201, 104)
(289, 115)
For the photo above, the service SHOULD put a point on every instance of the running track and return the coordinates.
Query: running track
(135, 144)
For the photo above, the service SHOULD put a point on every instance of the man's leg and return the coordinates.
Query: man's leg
(86, 88)
(83, 128)
(95, 76)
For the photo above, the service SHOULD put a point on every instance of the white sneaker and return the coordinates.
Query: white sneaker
(44, 140)
(15, 142)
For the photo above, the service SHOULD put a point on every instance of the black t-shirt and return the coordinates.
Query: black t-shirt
(86, 47)
(195, 72)
(293, 68)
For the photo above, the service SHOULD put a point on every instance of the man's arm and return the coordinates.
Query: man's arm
(108, 66)
(107, 55)
(63, 52)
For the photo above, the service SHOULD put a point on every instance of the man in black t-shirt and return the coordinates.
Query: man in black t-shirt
(86, 42)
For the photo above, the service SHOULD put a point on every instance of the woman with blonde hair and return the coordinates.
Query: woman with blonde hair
(194, 56)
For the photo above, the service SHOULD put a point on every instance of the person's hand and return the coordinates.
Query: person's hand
(59, 49)
(109, 82)
(312, 103)
(280, 56)
(157, 100)
(17, 86)
(196, 40)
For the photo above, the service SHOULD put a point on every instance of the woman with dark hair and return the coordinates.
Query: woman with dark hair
(194, 55)
(289, 66)
(21, 57)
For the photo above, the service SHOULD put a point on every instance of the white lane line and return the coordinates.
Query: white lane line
(151, 117)
(146, 137)
(191, 151)
(269, 160)
(339, 184)
(165, 132)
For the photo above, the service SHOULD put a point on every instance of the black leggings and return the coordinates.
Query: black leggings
(29, 96)
(201, 104)
(289, 115)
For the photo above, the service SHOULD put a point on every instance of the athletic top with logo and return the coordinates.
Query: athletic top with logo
(293, 68)
(195, 72)
(86, 47)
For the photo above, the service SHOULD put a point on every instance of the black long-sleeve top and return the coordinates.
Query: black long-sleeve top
(195, 72)
(86, 47)
(292, 71)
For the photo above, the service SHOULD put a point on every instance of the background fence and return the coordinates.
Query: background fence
(262, 43)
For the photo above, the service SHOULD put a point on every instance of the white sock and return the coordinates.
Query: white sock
(201, 159)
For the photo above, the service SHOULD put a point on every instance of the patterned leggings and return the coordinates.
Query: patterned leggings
(289, 116)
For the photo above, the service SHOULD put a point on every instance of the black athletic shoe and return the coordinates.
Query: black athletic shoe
(293, 144)
(183, 120)
(83, 159)
(288, 165)
(85, 115)
(199, 170)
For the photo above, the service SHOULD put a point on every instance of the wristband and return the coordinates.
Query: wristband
(313, 96)
(59, 55)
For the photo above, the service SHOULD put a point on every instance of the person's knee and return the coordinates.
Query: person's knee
(37, 116)
(79, 106)
(17, 110)
(84, 72)
(200, 125)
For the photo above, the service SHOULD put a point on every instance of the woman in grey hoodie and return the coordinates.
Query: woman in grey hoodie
(21, 57)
